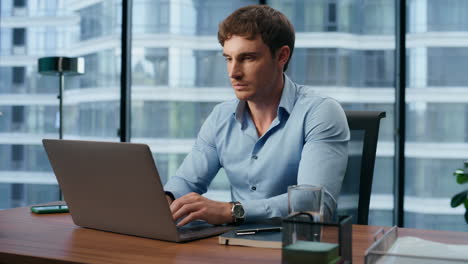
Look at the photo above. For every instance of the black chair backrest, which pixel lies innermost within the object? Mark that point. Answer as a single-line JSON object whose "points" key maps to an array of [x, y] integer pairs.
{"points": [[355, 193]]}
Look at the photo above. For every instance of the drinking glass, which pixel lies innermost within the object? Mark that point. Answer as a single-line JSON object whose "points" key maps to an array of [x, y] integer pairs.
{"points": [[306, 203], [306, 198]]}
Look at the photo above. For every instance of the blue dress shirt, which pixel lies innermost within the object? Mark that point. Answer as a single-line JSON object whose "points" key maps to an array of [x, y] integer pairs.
{"points": [[307, 143]]}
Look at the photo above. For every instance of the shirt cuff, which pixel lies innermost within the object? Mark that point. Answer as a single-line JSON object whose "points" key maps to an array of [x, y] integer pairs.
{"points": [[255, 210], [170, 195]]}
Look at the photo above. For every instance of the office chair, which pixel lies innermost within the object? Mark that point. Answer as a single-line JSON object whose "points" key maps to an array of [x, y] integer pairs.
{"points": [[354, 198]]}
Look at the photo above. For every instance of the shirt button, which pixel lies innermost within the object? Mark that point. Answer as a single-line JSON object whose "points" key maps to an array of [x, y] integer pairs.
{"points": [[253, 188], [254, 157]]}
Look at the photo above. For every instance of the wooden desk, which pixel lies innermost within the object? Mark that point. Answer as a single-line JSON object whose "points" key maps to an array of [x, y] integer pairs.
{"points": [[29, 238]]}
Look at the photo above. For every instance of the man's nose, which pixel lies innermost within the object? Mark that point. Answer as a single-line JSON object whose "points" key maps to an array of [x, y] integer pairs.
{"points": [[235, 71]]}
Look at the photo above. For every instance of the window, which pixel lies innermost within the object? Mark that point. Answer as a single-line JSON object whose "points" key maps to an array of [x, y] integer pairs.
{"points": [[378, 68], [17, 194], [210, 12], [436, 117], [446, 16], [19, 36], [18, 114], [150, 66], [17, 153], [101, 70], [19, 7], [152, 18], [331, 22], [375, 17], [437, 122], [444, 66], [18, 75], [211, 69], [31, 114], [19, 3], [91, 23], [17, 157], [325, 66]]}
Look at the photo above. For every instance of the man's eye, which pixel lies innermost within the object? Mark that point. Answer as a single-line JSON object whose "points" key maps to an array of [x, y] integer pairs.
{"points": [[227, 59]]}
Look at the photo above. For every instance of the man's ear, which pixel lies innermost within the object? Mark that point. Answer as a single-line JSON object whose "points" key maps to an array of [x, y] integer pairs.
{"points": [[283, 55]]}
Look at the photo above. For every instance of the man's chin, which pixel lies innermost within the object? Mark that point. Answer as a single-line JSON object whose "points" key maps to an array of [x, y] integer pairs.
{"points": [[243, 96]]}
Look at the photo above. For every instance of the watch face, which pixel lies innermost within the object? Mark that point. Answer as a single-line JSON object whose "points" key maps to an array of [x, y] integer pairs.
{"points": [[238, 211]]}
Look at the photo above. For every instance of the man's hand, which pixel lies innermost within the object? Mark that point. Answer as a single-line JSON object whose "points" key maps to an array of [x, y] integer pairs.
{"points": [[194, 206]]}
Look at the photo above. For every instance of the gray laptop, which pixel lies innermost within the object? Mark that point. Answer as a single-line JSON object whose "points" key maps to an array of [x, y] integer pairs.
{"points": [[116, 187]]}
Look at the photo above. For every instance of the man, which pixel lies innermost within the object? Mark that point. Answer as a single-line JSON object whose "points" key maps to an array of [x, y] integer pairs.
{"points": [[275, 134]]}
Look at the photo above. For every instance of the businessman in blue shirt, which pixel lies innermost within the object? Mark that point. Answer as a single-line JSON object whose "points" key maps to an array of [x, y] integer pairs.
{"points": [[275, 134]]}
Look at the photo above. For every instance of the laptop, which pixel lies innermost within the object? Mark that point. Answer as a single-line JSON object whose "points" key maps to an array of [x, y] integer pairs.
{"points": [[116, 187]]}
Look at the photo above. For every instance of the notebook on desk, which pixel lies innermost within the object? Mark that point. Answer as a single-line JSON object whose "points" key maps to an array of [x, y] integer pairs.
{"points": [[116, 187]]}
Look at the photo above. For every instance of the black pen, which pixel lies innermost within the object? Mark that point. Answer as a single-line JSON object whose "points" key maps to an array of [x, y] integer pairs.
{"points": [[254, 231]]}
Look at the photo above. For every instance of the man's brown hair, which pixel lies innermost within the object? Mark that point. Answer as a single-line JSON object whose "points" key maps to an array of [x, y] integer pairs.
{"points": [[273, 27]]}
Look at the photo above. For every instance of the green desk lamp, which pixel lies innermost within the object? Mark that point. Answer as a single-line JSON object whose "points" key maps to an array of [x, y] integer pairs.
{"points": [[61, 66]]}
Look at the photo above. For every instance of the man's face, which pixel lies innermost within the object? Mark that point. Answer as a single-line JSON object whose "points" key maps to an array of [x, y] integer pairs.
{"points": [[253, 71]]}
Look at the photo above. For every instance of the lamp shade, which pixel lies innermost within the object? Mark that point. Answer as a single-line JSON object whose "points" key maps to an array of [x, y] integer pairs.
{"points": [[64, 65]]}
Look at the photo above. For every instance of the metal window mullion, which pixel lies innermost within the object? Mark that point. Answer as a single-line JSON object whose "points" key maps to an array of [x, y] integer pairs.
{"points": [[125, 71], [400, 117]]}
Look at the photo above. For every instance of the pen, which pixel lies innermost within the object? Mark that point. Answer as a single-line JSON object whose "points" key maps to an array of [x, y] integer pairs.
{"points": [[254, 231]]}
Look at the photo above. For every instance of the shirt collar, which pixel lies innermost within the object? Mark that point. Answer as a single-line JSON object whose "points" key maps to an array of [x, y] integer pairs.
{"points": [[288, 98], [287, 101], [240, 111]]}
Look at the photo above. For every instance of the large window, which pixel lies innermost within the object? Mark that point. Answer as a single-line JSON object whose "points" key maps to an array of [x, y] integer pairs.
{"points": [[178, 76], [29, 105], [361, 77], [436, 111]]}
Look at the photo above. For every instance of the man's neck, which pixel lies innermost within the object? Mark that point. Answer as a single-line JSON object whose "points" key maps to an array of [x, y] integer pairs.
{"points": [[264, 112]]}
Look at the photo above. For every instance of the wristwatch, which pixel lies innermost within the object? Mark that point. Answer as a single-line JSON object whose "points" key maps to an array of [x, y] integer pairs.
{"points": [[238, 213]]}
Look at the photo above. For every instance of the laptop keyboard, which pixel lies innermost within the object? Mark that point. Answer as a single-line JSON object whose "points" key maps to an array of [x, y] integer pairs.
{"points": [[193, 227], [199, 229]]}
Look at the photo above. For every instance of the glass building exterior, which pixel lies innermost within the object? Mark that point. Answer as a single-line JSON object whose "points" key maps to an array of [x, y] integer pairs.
{"points": [[344, 49]]}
